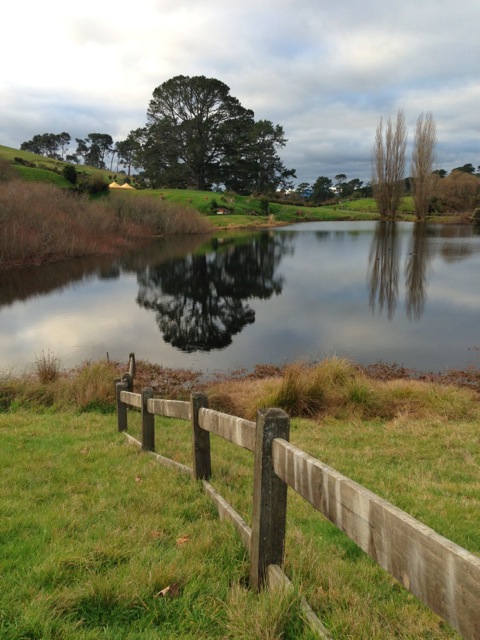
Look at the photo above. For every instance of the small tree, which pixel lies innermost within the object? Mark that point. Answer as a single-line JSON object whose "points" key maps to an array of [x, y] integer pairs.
{"points": [[388, 165], [322, 189], [423, 158], [70, 173]]}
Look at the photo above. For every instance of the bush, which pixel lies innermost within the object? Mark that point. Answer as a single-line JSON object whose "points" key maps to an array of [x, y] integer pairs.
{"points": [[264, 206], [70, 173]]}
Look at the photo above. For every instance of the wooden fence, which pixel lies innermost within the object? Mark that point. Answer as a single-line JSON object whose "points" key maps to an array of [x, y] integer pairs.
{"points": [[440, 573]]}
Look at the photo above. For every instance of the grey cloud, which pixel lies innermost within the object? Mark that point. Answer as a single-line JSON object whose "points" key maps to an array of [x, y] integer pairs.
{"points": [[325, 72]]}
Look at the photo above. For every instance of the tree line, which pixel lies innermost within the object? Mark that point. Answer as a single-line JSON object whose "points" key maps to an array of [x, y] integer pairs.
{"points": [[198, 135]]}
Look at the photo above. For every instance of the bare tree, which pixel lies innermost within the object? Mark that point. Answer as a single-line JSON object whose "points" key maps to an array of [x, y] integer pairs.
{"points": [[388, 165], [423, 158]]}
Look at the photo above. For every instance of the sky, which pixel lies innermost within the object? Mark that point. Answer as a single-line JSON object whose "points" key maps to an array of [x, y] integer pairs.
{"points": [[325, 71]]}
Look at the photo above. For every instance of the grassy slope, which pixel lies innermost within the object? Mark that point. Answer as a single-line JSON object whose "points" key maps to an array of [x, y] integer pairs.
{"points": [[46, 167]]}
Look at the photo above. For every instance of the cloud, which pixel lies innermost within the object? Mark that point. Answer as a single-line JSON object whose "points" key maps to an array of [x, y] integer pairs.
{"points": [[325, 72]]}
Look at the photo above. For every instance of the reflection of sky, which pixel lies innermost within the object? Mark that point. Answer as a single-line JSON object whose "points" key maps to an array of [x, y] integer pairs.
{"points": [[322, 310]]}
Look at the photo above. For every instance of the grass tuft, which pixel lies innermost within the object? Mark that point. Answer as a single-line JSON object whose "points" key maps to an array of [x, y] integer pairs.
{"points": [[47, 367], [335, 387]]}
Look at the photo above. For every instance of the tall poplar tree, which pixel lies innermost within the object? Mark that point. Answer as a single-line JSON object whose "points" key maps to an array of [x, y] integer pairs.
{"points": [[388, 165], [423, 158]]}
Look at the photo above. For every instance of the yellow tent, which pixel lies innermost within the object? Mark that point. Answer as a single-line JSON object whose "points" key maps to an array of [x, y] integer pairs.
{"points": [[126, 186], [114, 185]]}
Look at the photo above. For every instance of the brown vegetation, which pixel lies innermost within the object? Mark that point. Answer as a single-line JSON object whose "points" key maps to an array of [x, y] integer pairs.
{"points": [[458, 192], [88, 386], [41, 223], [335, 387]]}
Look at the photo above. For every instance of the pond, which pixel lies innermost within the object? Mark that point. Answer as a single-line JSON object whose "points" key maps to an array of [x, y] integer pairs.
{"points": [[393, 292]]}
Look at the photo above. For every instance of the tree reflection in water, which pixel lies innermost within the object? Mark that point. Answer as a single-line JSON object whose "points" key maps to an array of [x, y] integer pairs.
{"points": [[200, 300], [384, 269], [416, 272]]}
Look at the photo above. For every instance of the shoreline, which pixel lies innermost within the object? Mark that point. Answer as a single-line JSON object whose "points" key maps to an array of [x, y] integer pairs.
{"points": [[125, 244]]}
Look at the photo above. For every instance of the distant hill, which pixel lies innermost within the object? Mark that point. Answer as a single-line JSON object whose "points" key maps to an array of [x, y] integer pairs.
{"points": [[37, 168]]}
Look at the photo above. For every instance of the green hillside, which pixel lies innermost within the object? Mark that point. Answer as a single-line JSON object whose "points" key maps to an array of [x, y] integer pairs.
{"points": [[36, 168], [226, 209]]}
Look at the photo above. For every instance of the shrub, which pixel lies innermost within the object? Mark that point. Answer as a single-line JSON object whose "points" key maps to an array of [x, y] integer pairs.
{"points": [[70, 173], [458, 192], [264, 206]]}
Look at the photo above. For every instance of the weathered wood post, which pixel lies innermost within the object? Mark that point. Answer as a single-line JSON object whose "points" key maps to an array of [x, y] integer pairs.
{"points": [[202, 464], [269, 498], [131, 365], [128, 380], [120, 385], [148, 422]]}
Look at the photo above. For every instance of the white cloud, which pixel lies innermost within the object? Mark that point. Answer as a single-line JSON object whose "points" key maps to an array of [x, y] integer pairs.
{"points": [[325, 72]]}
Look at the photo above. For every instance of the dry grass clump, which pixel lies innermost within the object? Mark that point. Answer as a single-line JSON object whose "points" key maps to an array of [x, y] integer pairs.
{"points": [[89, 387], [337, 388], [92, 386], [47, 367], [300, 390]]}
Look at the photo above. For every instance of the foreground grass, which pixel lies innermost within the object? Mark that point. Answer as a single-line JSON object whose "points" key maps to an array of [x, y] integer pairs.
{"points": [[93, 532]]}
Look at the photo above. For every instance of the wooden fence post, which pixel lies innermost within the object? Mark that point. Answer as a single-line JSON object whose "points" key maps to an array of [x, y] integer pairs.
{"points": [[202, 464], [120, 386], [131, 365], [128, 380], [148, 422], [269, 498]]}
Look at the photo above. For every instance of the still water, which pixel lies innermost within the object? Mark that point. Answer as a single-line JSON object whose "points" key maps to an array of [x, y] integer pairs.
{"points": [[393, 292]]}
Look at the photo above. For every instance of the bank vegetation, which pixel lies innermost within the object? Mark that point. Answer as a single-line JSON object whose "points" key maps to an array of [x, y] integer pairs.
{"points": [[42, 223]]}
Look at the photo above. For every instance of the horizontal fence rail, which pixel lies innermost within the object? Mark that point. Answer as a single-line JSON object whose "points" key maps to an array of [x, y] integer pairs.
{"points": [[236, 430], [443, 575]]}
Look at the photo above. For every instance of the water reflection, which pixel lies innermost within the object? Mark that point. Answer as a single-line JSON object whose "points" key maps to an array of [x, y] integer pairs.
{"points": [[236, 301], [384, 268], [22, 284], [416, 272], [383, 265], [200, 300]]}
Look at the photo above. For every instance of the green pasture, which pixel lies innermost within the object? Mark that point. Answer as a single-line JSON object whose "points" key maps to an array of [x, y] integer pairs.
{"points": [[98, 540]]}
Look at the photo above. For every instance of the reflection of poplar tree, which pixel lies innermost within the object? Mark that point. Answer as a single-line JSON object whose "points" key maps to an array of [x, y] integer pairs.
{"points": [[415, 272], [383, 267], [200, 300]]}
